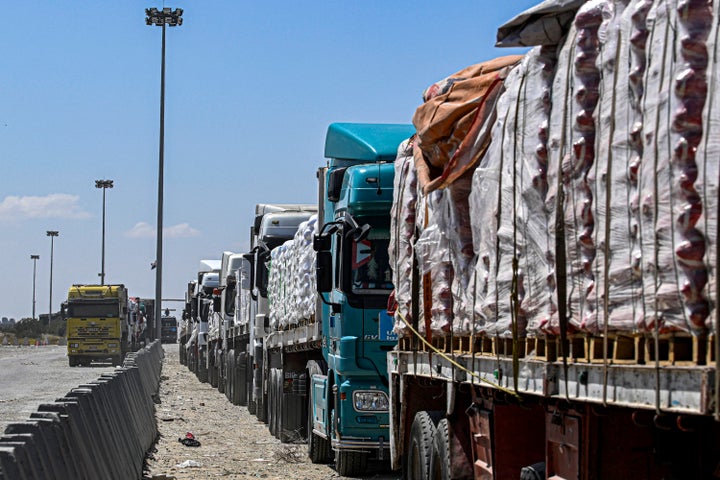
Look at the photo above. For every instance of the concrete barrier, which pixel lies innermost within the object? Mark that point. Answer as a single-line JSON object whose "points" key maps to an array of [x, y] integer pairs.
{"points": [[98, 430]]}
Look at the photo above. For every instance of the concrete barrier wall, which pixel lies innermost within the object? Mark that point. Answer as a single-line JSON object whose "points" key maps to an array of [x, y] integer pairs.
{"points": [[99, 430]]}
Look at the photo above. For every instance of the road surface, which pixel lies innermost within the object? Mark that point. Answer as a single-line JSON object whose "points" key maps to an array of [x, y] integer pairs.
{"points": [[33, 375]]}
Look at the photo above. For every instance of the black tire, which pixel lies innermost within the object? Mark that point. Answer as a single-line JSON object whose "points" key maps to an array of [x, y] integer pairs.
{"points": [[272, 417], [212, 368], [351, 464], [318, 447], [440, 460], [72, 361], [192, 359], [117, 360], [229, 375], [419, 452], [222, 371], [261, 409], [279, 407], [241, 379], [533, 472], [202, 370]]}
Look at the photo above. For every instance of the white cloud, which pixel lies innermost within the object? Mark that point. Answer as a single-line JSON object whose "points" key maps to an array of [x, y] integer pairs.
{"points": [[145, 230], [54, 205], [181, 230], [141, 230]]}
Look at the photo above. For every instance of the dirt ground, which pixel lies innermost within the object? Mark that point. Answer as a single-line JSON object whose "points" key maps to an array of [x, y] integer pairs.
{"points": [[233, 443]]}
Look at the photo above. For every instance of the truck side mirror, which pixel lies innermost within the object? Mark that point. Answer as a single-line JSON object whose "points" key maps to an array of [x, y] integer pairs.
{"points": [[323, 271], [217, 303]]}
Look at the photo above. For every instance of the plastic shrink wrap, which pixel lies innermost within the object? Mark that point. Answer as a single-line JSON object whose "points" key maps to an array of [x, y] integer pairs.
{"points": [[595, 168], [402, 235], [291, 282]]}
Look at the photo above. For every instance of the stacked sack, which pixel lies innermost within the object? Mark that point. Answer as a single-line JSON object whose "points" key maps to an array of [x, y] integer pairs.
{"points": [[291, 282], [593, 174]]}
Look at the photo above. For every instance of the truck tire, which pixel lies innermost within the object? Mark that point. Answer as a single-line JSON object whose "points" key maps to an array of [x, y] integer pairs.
{"points": [[221, 371], [350, 464], [241, 379], [318, 447], [212, 368], [202, 370], [533, 472], [72, 361], [192, 359], [261, 409], [279, 406], [271, 417], [417, 457], [440, 460], [117, 360], [230, 374]]}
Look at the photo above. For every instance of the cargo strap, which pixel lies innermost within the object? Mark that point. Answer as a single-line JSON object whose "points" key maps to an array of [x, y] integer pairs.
{"points": [[452, 361]]}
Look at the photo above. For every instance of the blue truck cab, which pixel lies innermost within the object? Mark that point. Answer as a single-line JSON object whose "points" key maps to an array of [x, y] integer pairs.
{"points": [[349, 401]]}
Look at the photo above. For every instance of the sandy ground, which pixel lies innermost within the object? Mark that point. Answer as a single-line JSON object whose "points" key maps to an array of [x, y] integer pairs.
{"points": [[233, 443]]}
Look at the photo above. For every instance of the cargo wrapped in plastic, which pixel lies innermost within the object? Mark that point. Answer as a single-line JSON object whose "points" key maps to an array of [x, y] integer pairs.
{"points": [[594, 187], [291, 282]]}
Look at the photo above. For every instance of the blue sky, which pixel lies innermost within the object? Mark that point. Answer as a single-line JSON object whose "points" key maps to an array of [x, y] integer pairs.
{"points": [[250, 90]]}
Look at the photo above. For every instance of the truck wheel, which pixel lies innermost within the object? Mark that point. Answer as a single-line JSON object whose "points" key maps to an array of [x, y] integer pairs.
{"points": [[279, 407], [440, 460], [192, 360], [318, 447], [202, 370], [350, 464], [271, 418], [230, 375], [261, 409], [221, 371], [241, 379], [72, 361], [533, 472], [117, 360], [212, 368], [419, 452]]}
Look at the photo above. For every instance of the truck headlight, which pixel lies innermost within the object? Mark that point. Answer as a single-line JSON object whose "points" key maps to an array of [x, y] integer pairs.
{"points": [[112, 345], [370, 401]]}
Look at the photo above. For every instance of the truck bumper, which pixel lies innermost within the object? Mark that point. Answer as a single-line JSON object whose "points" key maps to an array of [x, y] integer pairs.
{"points": [[381, 446]]}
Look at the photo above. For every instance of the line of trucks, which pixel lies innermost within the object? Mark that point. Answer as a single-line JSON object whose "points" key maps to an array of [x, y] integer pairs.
{"points": [[103, 323], [521, 284]]}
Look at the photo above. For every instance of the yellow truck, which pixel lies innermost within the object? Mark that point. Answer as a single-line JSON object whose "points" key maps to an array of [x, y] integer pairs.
{"points": [[97, 323]]}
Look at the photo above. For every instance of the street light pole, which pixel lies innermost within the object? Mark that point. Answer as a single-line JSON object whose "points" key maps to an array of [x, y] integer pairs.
{"points": [[34, 258], [52, 234], [104, 184], [161, 18]]}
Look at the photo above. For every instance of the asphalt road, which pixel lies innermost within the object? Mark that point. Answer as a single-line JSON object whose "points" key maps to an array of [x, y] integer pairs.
{"points": [[30, 376]]}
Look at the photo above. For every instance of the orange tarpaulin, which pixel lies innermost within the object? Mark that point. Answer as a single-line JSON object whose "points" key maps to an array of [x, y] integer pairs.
{"points": [[453, 125]]}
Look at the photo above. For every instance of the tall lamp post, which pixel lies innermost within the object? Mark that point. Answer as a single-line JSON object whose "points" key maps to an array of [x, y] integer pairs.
{"points": [[161, 18], [52, 234], [34, 258], [104, 184]]}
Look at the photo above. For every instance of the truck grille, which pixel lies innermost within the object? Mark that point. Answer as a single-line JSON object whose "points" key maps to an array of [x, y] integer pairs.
{"points": [[96, 331]]}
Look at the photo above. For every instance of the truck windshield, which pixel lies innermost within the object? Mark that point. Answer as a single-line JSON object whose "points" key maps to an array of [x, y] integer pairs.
{"points": [[93, 310], [371, 266]]}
